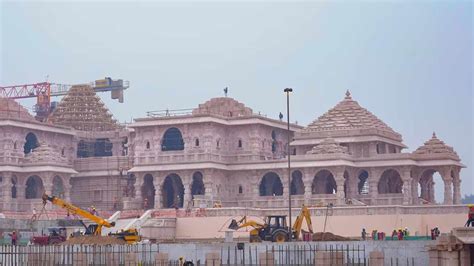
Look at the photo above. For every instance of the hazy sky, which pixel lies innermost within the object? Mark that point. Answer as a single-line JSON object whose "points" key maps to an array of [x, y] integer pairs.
{"points": [[410, 63]]}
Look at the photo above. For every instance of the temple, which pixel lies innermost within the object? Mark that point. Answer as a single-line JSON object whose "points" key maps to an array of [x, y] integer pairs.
{"points": [[220, 153]]}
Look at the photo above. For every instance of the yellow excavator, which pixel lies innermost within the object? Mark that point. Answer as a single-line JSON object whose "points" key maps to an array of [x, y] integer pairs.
{"points": [[130, 236], [274, 227]]}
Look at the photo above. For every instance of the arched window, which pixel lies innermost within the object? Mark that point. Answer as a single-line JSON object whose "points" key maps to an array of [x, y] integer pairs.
{"points": [[324, 183], [62, 152], [34, 188], [172, 140], [148, 192], [363, 185], [239, 143], [241, 190], [271, 185], [14, 145], [147, 145], [274, 142], [14, 181], [58, 187], [173, 192], [31, 143], [196, 142], [217, 143], [390, 182]]}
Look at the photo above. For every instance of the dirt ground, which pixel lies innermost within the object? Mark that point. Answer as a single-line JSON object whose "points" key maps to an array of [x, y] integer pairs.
{"points": [[319, 236]]}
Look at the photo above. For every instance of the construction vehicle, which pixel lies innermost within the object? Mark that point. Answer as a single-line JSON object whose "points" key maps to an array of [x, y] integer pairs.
{"points": [[274, 228], [56, 236], [43, 91], [130, 236]]}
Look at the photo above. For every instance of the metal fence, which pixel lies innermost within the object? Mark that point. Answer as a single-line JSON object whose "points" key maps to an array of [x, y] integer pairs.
{"points": [[230, 255]]}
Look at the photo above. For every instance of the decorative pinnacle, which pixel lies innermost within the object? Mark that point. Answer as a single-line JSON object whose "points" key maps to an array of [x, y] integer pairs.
{"points": [[348, 95], [434, 135]]}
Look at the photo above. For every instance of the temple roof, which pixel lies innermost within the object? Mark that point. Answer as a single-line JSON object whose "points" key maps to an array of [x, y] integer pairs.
{"points": [[349, 115], [435, 146], [83, 110], [223, 106], [10, 109]]}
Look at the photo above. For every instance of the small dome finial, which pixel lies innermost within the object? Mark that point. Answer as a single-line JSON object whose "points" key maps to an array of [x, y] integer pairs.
{"points": [[434, 135], [348, 94]]}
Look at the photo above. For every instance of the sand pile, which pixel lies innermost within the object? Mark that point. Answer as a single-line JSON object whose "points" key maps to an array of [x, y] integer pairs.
{"points": [[328, 237], [94, 240]]}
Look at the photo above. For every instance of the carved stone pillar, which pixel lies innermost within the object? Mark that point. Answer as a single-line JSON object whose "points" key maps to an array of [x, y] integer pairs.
{"points": [[374, 176], [48, 183], [138, 187], [407, 180], [308, 182], [339, 178], [448, 183], [20, 191], [187, 177], [456, 191], [157, 182], [414, 191]]}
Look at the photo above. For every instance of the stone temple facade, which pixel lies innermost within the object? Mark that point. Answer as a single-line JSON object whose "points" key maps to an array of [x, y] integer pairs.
{"points": [[220, 153]]}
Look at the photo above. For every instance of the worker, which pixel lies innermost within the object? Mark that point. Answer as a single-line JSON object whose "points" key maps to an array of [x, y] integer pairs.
{"points": [[405, 232], [93, 211], [364, 234], [394, 233], [470, 216], [400, 234], [145, 204], [14, 237]]}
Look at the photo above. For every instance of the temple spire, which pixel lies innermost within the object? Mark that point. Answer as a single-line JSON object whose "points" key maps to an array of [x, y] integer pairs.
{"points": [[434, 135], [348, 95]]}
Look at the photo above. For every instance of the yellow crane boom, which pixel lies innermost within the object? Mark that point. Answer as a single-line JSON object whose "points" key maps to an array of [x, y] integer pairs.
{"points": [[80, 212], [304, 215]]}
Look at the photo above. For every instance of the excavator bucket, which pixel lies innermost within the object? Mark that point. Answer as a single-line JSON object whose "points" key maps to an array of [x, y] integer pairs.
{"points": [[233, 225]]}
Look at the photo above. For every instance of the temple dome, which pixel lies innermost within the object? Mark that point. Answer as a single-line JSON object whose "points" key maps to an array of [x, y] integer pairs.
{"points": [[10, 109], [83, 110], [436, 147], [348, 115], [223, 106]]}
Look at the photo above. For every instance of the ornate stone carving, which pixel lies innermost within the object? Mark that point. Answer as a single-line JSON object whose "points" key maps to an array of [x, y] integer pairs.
{"points": [[328, 146], [45, 154]]}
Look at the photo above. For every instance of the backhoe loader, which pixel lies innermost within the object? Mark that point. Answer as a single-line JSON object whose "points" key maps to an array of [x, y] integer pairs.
{"points": [[274, 227]]}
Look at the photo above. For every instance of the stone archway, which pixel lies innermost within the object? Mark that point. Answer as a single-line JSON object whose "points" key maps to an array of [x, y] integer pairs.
{"points": [[197, 185], [363, 183], [31, 142], [429, 181], [297, 185], [14, 181], [148, 192], [58, 187], [271, 185], [172, 140], [173, 192], [390, 182], [324, 183], [34, 187]]}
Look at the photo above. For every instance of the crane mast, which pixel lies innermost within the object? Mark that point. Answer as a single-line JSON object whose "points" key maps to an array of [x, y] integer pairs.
{"points": [[43, 91], [80, 212]]}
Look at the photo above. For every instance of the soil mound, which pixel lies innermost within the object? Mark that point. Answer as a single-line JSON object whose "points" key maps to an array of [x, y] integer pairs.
{"points": [[320, 236], [94, 240]]}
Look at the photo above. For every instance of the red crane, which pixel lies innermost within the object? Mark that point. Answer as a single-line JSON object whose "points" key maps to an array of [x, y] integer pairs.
{"points": [[43, 92]]}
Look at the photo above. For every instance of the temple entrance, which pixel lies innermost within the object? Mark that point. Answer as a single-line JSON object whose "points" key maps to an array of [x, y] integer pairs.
{"points": [[271, 185], [31, 143], [324, 183], [390, 182], [363, 184], [148, 192], [34, 188], [297, 185], [173, 192], [58, 187]]}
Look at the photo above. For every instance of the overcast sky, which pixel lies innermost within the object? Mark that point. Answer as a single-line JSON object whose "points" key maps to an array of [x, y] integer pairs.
{"points": [[409, 63]]}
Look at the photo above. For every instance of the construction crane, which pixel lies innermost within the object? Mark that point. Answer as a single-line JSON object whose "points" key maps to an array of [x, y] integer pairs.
{"points": [[274, 228], [43, 91]]}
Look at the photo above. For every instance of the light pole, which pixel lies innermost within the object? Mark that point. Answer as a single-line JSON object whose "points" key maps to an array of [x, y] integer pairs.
{"points": [[288, 90]]}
